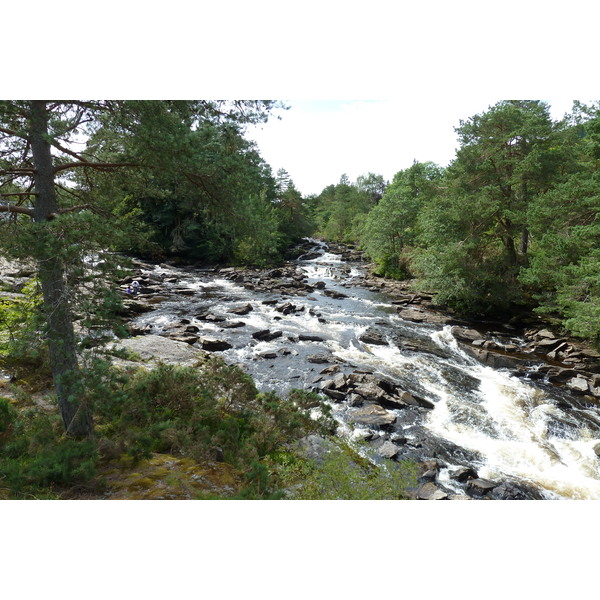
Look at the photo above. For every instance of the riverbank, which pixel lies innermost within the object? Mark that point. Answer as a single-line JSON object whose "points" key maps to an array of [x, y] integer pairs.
{"points": [[283, 327], [290, 316]]}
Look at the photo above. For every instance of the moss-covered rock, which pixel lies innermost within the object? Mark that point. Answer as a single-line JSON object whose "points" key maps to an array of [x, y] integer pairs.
{"points": [[166, 477]]}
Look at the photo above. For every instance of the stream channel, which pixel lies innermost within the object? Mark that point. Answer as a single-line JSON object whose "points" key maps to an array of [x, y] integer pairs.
{"points": [[510, 432]]}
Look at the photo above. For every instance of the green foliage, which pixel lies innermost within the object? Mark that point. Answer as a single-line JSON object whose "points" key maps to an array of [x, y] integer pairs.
{"points": [[339, 209], [344, 475], [22, 344], [191, 412], [36, 460], [257, 240], [391, 225]]}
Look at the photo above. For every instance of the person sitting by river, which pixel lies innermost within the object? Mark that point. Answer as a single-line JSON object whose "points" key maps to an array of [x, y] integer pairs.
{"points": [[136, 287], [129, 290]]}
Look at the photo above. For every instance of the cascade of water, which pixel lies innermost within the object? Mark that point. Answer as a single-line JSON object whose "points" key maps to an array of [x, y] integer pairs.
{"points": [[518, 430]]}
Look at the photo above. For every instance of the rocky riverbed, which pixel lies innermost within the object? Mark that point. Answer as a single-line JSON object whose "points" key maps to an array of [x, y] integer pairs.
{"points": [[387, 412], [292, 326]]}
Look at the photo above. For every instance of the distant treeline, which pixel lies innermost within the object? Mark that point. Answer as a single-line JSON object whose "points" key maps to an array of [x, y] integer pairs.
{"points": [[511, 222]]}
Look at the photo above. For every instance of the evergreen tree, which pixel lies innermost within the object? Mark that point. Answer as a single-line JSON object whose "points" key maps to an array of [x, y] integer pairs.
{"points": [[38, 158]]}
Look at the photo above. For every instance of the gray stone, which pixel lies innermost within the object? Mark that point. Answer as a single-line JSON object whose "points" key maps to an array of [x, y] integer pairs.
{"points": [[214, 345], [156, 348], [429, 491], [480, 487], [310, 338], [266, 335], [464, 334], [388, 450], [319, 358], [463, 473], [579, 384], [373, 337], [370, 391], [374, 415], [313, 447]]}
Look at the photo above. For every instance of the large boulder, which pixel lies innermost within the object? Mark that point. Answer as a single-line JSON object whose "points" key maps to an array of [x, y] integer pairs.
{"points": [[373, 337], [266, 335], [214, 345], [152, 349]]}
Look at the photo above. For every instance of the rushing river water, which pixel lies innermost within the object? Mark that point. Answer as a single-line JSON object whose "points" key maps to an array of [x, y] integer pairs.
{"points": [[508, 428]]}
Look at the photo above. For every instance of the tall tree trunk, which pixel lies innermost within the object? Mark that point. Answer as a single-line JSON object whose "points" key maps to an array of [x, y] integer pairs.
{"points": [[76, 415], [524, 247]]}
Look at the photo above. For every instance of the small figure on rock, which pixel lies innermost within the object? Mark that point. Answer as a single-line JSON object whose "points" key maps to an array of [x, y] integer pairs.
{"points": [[136, 287]]}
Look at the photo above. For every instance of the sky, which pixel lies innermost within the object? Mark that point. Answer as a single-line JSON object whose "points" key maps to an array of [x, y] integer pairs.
{"points": [[317, 141]]}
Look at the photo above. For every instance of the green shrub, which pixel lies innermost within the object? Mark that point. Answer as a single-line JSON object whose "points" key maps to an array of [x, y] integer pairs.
{"points": [[35, 457], [344, 475]]}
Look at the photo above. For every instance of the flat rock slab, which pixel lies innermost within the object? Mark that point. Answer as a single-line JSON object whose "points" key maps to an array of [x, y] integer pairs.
{"points": [[155, 349], [373, 415]]}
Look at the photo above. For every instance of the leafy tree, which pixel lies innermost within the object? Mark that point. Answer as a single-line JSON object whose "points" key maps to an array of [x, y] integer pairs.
{"points": [[563, 273], [295, 219], [37, 157], [340, 209], [391, 225], [476, 234]]}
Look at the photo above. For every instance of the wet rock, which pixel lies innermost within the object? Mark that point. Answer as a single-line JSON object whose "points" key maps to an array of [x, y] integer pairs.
{"points": [[135, 329], [214, 345], [429, 491], [186, 338], [429, 470], [480, 487], [597, 450], [465, 335], [210, 318], [579, 385], [398, 438], [545, 345], [354, 400], [494, 360], [266, 335], [462, 474], [242, 310], [560, 375], [334, 394], [388, 450], [233, 325], [373, 415], [373, 337], [334, 294], [310, 338], [370, 392], [409, 399], [512, 491], [412, 314], [288, 308], [320, 358]]}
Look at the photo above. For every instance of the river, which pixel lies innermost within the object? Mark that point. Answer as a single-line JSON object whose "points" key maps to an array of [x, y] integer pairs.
{"points": [[508, 428]]}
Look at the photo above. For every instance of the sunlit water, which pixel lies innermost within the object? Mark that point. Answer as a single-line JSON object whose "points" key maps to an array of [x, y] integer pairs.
{"points": [[516, 428]]}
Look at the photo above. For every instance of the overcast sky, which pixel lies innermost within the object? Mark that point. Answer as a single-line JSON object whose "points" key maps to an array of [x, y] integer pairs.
{"points": [[318, 141]]}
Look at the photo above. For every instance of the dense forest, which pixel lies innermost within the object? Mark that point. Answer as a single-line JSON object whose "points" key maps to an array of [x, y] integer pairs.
{"points": [[510, 225]]}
